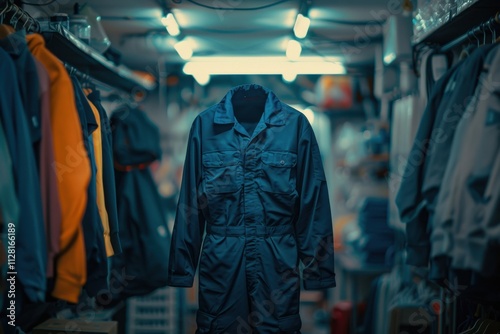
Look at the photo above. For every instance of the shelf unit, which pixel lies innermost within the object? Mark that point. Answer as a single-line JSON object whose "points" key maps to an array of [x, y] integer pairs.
{"points": [[71, 50], [459, 23]]}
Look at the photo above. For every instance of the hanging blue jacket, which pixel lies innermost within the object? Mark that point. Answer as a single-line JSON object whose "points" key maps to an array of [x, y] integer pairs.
{"points": [[108, 171], [31, 248], [253, 178], [93, 231], [145, 239]]}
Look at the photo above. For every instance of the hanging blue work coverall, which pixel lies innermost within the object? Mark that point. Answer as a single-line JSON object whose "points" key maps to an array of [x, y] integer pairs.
{"points": [[254, 181]]}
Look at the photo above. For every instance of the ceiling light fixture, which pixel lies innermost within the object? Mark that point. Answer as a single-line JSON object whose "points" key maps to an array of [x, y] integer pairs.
{"points": [[184, 49], [289, 76], [301, 26], [171, 24], [202, 78], [260, 65], [293, 50]]}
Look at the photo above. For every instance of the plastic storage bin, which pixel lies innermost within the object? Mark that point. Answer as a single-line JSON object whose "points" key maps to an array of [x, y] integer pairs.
{"points": [[152, 314]]}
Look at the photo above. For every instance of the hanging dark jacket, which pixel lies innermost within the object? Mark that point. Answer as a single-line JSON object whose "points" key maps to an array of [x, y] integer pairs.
{"points": [[31, 248], [253, 178], [144, 235], [93, 232], [9, 206], [15, 44], [108, 172]]}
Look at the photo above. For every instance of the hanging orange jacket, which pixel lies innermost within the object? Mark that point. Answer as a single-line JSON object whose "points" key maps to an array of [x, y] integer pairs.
{"points": [[72, 167]]}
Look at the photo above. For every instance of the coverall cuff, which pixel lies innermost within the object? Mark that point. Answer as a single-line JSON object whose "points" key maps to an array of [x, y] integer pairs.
{"points": [[66, 290], [180, 281], [320, 284]]}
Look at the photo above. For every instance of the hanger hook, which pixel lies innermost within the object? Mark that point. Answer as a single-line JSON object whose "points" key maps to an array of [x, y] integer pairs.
{"points": [[26, 22], [469, 36], [6, 9], [475, 37], [491, 31], [484, 33], [13, 19]]}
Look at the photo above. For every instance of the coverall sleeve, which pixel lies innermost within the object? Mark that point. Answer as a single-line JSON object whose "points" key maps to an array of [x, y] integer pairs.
{"points": [[189, 222], [313, 227]]}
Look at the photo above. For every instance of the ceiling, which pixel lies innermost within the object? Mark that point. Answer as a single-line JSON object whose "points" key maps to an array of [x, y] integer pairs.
{"points": [[344, 31]]}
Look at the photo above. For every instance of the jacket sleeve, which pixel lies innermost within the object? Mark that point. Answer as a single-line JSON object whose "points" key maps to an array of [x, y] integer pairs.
{"points": [[189, 221], [409, 199], [314, 224]]}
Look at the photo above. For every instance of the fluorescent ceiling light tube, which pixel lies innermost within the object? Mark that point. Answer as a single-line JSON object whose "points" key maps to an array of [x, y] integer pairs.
{"points": [[257, 66], [301, 26], [293, 50], [171, 24], [263, 59], [184, 49]]}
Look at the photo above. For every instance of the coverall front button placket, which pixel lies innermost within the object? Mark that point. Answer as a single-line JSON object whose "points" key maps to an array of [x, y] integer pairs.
{"points": [[252, 208]]}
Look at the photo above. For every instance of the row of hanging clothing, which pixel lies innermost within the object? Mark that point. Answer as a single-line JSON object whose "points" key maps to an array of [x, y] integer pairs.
{"points": [[53, 137], [78, 204], [448, 197], [404, 301]]}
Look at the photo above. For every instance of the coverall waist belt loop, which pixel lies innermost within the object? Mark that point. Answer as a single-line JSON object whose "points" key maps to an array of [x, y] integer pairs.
{"points": [[249, 230]]}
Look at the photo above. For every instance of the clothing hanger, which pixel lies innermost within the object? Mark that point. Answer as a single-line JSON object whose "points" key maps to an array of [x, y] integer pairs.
{"points": [[483, 30], [484, 325], [497, 20], [5, 29], [474, 328], [478, 322], [477, 39], [13, 19], [25, 23], [5, 10], [492, 32]]}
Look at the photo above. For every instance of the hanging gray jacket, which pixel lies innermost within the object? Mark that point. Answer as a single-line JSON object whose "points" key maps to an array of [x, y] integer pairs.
{"points": [[427, 162], [466, 225]]}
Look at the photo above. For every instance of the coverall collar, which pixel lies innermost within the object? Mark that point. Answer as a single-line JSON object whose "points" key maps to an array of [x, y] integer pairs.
{"points": [[272, 115]]}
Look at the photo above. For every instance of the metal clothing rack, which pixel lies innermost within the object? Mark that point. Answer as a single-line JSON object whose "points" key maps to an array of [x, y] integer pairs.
{"points": [[18, 17], [82, 57], [490, 25], [86, 78]]}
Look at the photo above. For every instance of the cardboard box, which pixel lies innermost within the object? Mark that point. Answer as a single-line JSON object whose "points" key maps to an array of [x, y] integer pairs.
{"points": [[60, 326]]}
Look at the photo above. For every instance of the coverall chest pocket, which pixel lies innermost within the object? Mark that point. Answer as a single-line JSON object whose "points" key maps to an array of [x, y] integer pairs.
{"points": [[222, 172], [278, 173]]}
